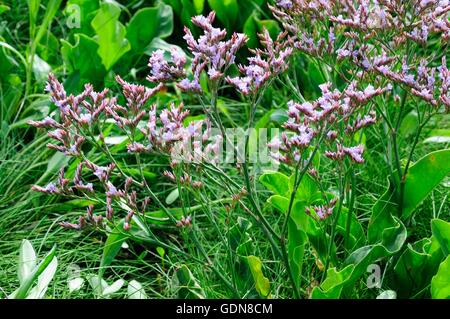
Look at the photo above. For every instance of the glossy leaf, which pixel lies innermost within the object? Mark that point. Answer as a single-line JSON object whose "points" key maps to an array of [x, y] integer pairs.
{"points": [[276, 182], [147, 24], [82, 57], [441, 231], [440, 284], [135, 290], [44, 279], [227, 11], [110, 34], [189, 288], [27, 261], [423, 177], [332, 286], [262, 284]]}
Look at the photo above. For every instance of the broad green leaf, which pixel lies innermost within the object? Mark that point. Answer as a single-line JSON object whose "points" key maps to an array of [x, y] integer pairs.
{"points": [[110, 34], [98, 284], [79, 14], [199, 5], [27, 261], [135, 290], [138, 232], [391, 243], [440, 284], [147, 24], [297, 239], [279, 116], [423, 177], [3, 8], [112, 246], [189, 288], [438, 136], [276, 182], [172, 197], [281, 203], [75, 284], [409, 125], [332, 286], [441, 231], [227, 11], [413, 272], [307, 190], [160, 44], [262, 284], [44, 279], [357, 237], [113, 288], [24, 288], [382, 215], [254, 25], [83, 57], [41, 69], [316, 236]]}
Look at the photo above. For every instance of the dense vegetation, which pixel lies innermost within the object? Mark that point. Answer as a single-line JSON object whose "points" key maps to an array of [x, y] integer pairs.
{"points": [[116, 177]]}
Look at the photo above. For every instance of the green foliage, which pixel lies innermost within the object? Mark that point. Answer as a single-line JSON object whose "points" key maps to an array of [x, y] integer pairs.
{"points": [[440, 284], [423, 177], [112, 43], [262, 283]]}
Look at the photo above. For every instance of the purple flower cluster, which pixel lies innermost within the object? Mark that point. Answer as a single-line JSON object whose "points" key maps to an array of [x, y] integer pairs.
{"points": [[324, 116], [267, 63]]}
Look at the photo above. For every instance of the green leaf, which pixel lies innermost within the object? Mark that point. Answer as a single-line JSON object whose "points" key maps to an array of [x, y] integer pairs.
{"points": [[438, 136], [199, 5], [75, 284], [110, 34], [254, 25], [27, 260], [147, 24], [276, 182], [441, 231], [413, 271], [227, 11], [357, 237], [332, 286], [172, 197], [3, 8], [83, 57], [297, 240], [24, 288], [440, 284], [391, 243], [113, 288], [135, 290], [33, 10], [307, 190], [112, 247], [189, 288], [44, 279], [41, 69], [423, 177], [86, 9], [262, 284], [50, 12], [409, 125], [281, 203], [139, 232], [382, 215]]}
